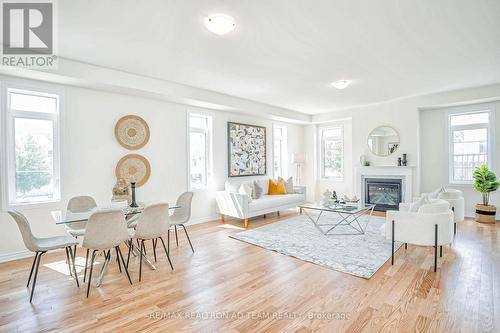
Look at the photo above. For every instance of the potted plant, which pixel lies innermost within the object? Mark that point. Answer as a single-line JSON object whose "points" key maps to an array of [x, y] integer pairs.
{"points": [[485, 181]]}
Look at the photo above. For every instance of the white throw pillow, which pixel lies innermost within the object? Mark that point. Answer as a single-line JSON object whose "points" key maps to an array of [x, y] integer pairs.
{"points": [[247, 189], [434, 194], [257, 190], [424, 200]]}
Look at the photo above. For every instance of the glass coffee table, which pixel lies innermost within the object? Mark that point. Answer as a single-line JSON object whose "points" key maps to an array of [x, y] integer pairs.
{"points": [[339, 219]]}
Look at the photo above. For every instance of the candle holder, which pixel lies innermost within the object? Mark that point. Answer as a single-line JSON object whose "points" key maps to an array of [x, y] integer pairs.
{"points": [[133, 204]]}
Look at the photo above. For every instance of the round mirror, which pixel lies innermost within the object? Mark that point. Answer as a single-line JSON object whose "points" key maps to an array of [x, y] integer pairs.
{"points": [[383, 141]]}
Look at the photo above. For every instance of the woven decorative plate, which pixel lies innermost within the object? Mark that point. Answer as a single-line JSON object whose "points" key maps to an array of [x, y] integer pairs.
{"points": [[132, 132], [133, 165]]}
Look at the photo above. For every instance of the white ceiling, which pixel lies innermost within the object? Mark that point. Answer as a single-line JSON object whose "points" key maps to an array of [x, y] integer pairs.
{"points": [[286, 52]]}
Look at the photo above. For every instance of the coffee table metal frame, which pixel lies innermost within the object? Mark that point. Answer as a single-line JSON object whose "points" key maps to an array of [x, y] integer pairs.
{"points": [[347, 218]]}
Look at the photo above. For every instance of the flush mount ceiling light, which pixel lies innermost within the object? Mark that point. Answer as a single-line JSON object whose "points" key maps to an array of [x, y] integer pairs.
{"points": [[341, 84], [220, 24]]}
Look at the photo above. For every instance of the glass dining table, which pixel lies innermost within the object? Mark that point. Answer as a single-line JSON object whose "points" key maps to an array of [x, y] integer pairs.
{"points": [[65, 217]]}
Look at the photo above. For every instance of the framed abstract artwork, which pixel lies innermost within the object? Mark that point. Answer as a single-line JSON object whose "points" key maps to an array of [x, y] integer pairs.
{"points": [[246, 150]]}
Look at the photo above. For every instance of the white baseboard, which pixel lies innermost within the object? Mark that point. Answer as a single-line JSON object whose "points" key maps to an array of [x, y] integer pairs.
{"points": [[15, 255]]}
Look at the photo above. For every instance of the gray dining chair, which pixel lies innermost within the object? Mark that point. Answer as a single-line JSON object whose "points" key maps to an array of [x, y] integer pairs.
{"points": [[41, 245], [106, 229], [152, 224], [79, 204], [181, 216]]}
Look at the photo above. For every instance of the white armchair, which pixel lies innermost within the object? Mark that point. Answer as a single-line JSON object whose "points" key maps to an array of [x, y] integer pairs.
{"points": [[430, 225], [457, 205], [456, 200]]}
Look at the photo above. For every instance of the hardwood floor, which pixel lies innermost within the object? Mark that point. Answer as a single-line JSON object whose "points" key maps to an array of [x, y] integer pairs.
{"points": [[231, 286]]}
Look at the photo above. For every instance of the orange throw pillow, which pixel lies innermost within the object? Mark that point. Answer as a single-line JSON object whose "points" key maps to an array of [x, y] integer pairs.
{"points": [[277, 188]]}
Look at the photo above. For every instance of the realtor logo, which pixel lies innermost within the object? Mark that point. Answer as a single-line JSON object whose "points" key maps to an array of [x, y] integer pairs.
{"points": [[28, 34]]}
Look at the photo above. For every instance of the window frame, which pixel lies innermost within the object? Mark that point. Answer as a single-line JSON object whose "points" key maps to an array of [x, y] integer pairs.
{"points": [[283, 139], [7, 127], [321, 140], [490, 137], [208, 149]]}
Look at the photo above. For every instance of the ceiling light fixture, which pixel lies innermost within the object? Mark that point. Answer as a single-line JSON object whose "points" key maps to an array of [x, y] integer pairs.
{"points": [[341, 84], [220, 24]]}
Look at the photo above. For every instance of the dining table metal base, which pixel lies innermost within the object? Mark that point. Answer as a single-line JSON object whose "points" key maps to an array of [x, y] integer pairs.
{"points": [[107, 258]]}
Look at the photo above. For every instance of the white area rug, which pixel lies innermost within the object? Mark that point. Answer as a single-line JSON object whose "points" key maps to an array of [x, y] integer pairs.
{"points": [[359, 255]]}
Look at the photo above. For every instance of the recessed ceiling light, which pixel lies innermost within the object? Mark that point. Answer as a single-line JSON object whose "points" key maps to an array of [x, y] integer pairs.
{"points": [[220, 24], [341, 84]]}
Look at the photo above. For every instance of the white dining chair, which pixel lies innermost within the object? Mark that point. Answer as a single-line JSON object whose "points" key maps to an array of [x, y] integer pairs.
{"points": [[41, 245], [152, 224], [181, 216], [106, 229]]}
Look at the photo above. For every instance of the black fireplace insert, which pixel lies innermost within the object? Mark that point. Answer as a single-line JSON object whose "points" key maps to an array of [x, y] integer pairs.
{"points": [[385, 193]]}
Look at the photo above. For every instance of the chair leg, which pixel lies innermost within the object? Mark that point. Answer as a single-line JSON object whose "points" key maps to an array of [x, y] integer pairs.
{"points": [[455, 228], [435, 246], [406, 246], [120, 257], [73, 259], [441, 251], [91, 269], [154, 247], [176, 238], [74, 248], [86, 263], [68, 261], [36, 274], [129, 250], [166, 252], [168, 240], [32, 266], [187, 235], [278, 212], [392, 244], [140, 260]]}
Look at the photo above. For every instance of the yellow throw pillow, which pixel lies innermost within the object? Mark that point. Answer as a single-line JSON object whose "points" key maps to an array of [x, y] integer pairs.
{"points": [[277, 188]]}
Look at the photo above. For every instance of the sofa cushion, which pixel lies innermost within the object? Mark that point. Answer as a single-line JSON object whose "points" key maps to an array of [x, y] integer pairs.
{"points": [[258, 191], [246, 188], [450, 194], [289, 185], [274, 201], [276, 188], [435, 206]]}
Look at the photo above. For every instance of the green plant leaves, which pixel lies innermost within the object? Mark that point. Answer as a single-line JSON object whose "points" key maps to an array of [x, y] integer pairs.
{"points": [[485, 181]]}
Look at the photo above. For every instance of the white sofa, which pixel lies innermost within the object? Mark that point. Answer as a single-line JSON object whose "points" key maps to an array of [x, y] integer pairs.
{"points": [[430, 225], [232, 203]]}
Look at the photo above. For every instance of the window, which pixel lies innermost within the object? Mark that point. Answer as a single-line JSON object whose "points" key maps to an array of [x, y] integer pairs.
{"points": [[199, 150], [332, 152], [279, 152], [470, 144], [32, 147]]}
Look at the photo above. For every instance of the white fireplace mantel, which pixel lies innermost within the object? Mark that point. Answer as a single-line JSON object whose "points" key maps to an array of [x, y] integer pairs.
{"points": [[405, 173]]}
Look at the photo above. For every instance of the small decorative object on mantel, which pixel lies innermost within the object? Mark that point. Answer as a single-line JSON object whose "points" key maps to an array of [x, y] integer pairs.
{"points": [[485, 181], [121, 191], [404, 161], [133, 165], [399, 161], [366, 163], [362, 159], [133, 204], [132, 132]]}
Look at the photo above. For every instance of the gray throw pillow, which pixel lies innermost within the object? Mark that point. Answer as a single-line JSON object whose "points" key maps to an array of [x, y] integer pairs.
{"points": [[289, 186], [257, 190]]}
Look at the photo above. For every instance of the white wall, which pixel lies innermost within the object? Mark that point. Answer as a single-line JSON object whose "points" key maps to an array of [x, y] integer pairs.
{"points": [[90, 153], [435, 154]]}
